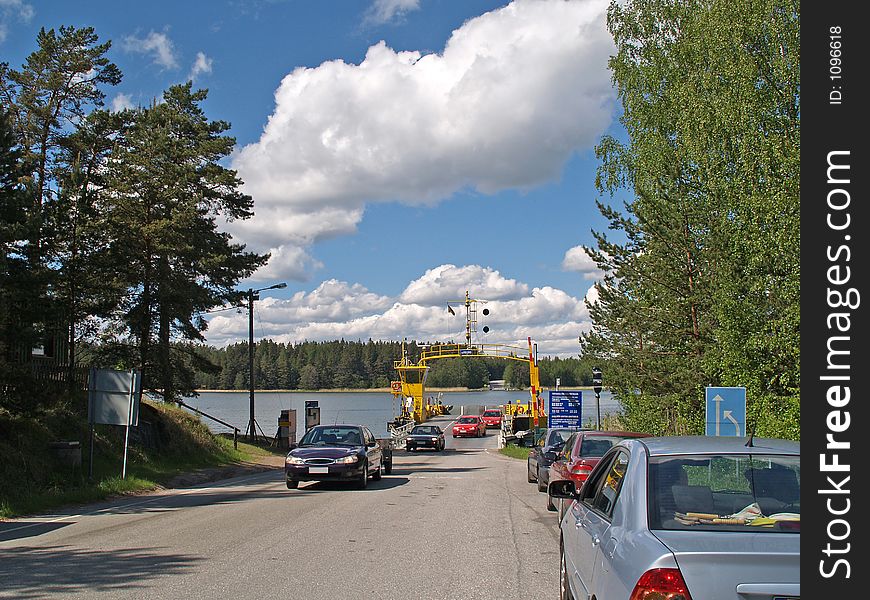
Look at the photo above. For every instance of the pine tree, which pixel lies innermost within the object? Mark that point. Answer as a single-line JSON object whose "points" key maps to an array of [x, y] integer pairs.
{"points": [[166, 191]]}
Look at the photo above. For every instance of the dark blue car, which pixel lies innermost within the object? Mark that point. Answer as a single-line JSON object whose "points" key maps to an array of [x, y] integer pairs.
{"points": [[337, 453]]}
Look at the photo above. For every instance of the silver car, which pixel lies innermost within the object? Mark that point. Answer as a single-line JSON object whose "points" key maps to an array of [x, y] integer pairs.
{"points": [[709, 518]]}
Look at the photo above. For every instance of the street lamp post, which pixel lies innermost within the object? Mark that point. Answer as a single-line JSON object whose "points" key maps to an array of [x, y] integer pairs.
{"points": [[254, 295]]}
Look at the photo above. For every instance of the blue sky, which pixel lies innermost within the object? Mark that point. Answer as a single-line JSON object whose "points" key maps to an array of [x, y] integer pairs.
{"points": [[399, 152]]}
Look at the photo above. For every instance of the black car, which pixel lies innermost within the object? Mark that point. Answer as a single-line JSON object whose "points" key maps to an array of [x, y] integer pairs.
{"points": [[544, 453], [425, 436], [337, 453]]}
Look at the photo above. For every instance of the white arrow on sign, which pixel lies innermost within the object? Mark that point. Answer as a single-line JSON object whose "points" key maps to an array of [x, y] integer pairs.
{"points": [[727, 415], [718, 400]]}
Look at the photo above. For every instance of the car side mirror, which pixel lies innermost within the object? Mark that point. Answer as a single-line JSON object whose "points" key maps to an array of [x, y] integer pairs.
{"points": [[563, 488], [372, 444]]}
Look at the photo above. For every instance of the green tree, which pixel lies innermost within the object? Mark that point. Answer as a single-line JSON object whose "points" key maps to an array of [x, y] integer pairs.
{"points": [[166, 192], [703, 287], [19, 284]]}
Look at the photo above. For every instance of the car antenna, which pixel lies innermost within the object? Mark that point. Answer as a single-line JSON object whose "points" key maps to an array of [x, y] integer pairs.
{"points": [[749, 443]]}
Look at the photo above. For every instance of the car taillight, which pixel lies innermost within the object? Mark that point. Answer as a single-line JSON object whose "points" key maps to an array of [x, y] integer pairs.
{"points": [[661, 584], [581, 471]]}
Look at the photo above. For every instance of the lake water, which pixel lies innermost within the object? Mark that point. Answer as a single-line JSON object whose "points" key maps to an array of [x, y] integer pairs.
{"points": [[372, 409]]}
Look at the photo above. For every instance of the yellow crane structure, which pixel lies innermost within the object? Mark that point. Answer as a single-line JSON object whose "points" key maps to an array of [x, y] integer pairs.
{"points": [[412, 376]]}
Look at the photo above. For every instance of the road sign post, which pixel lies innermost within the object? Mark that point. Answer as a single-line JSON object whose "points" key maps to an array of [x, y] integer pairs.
{"points": [[726, 411]]}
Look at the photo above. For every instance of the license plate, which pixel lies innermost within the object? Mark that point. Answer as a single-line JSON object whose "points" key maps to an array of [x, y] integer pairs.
{"points": [[318, 469]]}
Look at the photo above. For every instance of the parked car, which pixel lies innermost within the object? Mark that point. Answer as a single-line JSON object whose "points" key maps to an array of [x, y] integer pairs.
{"points": [[469, 425], [337, 453], [425, 436], [544, 453], [580, 454], [709, 518], [492, 417]]}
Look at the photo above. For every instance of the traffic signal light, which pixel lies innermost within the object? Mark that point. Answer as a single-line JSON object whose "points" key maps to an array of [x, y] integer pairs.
{"points": [[596, 380]]}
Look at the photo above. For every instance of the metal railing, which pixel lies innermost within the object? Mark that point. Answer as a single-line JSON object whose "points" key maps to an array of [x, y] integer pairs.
{"points": [[208, 416], [400, 433]]}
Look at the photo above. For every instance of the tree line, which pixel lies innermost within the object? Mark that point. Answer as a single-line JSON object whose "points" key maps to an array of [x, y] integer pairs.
{"points": [[364, 365], [109, 230], [702, 260]]}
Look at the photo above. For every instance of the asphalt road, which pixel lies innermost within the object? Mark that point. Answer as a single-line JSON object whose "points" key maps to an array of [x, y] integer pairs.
{"points": [[464, 523]]}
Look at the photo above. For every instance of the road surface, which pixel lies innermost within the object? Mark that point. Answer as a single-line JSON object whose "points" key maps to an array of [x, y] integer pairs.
{"points": [[464, 523]]}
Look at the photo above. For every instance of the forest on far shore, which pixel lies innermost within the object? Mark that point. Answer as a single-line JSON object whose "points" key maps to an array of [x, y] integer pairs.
{"points": [[364, 365]]}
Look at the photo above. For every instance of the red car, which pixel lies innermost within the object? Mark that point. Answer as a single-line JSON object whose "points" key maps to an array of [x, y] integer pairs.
{"points": [[469, 425], [492, 417], [580, 454]]}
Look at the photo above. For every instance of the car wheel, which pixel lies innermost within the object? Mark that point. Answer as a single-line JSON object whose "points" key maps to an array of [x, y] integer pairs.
{"points": [[388, 467], [531, 478], [564, 588], [292, 484], [542, 485], [550, 506], [454, 436], [364, 478], [408, 449]]}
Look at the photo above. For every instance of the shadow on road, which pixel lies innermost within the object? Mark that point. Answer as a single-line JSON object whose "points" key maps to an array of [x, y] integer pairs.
{"points": [[37, 572], [388, 482], [13, 530]]}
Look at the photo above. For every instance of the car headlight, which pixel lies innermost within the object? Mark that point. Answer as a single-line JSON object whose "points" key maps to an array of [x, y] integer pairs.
{"points": [[434, 439], [294, 460], [347, 460]]}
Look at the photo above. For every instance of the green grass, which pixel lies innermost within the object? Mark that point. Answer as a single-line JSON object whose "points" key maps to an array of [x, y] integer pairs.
{"points": [[515, 451], [32, 481]]}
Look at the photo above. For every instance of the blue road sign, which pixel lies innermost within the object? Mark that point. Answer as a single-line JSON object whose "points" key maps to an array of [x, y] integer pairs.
{"points": [[565, 408], [726, 411]]}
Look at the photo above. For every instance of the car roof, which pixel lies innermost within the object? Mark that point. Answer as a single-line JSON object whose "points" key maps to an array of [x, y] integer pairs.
{"points": [[702, 444], [601, 432]]}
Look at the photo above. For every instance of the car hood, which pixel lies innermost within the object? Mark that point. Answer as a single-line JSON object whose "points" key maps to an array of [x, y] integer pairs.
{"points": [[324, 451], [728, 565]]}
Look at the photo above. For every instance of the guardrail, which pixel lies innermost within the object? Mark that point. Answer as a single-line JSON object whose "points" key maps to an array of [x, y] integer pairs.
{"points": [[400, 433], [208, 416]]}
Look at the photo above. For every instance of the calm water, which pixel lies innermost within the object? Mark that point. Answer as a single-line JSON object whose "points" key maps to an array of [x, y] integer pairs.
{"points": [[373, 409]]}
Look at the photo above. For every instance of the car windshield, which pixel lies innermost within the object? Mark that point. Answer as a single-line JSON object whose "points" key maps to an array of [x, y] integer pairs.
{"points": [[492, 413], [467, 420], [428, 430], [332, 436], [728, 492], [558, 436], [596, 446]]}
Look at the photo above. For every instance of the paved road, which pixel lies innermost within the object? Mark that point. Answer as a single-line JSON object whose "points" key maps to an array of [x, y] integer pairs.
{"points": [[459, 524]]}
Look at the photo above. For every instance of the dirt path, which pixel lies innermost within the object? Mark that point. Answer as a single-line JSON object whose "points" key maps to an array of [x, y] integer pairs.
{"points": [[262, 463]]}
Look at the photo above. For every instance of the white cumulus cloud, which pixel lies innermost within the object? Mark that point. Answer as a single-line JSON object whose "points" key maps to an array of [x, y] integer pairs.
{"points": [[122, 102], [514, 93], [337, 309], [157, 45], [201, 65], [576, 259]]}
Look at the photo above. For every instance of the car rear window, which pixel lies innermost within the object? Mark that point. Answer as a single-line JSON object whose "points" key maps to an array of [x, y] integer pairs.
{"points": [[492, 413], [468, 420], [597, 446], [725, 492]]}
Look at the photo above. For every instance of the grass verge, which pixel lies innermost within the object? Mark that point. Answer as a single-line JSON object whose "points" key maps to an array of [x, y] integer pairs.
{"points": [[514, 451], [34, 480]]}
